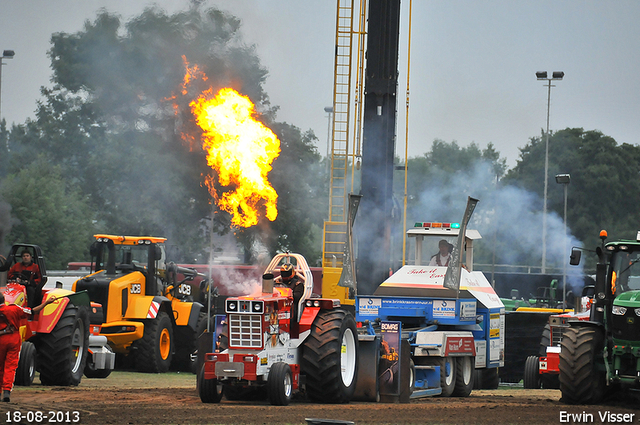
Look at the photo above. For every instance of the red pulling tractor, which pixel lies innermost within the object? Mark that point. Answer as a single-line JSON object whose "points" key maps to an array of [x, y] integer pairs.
{"points": [[544, 370], [56, 339], [271, 353]]}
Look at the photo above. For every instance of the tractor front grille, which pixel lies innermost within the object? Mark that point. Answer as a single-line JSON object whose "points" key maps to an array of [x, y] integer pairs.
{"points": [[626, 327], [245, 331]]}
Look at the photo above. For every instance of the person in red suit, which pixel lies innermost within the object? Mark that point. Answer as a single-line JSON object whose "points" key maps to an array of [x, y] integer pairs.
{"points": [[11, 317], [28, 274]]}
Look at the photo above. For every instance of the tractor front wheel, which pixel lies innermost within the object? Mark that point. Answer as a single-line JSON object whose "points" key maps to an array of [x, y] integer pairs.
{"points": [[26, 365], [329, 357], [154, 350], [532, 373], [280, 384], [208, 389], [62, 353], [582, 370]]}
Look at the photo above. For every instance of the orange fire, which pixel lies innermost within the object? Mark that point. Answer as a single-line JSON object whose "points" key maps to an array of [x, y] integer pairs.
{"points": [[241, 150]]}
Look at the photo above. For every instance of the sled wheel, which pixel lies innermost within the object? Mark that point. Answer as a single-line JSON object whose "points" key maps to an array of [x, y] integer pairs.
{"points": [[465, 371]]}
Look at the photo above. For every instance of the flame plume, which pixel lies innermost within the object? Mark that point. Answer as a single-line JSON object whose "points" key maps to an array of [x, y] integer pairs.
{"points": [[241, 150]]}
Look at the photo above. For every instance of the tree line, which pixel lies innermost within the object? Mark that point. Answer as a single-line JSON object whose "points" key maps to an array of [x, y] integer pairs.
{"points": [[104, 154]]}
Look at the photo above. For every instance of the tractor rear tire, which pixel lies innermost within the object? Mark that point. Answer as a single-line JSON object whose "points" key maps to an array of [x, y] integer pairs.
{"points": [[531, 378], [26, 365], [486, 379], [154, 350], [208, 389], [465, 373], [582, 371], [62, 353], [329, 357], [280, 384], [545, 340]]}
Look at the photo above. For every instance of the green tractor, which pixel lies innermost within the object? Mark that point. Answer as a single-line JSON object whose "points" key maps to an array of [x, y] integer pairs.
{"points": [[603, 354]]}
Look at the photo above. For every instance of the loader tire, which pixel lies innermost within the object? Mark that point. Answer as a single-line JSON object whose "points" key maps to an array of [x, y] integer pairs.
{"points": [[26, 365], [582, 370], [187, 345], [208, 389], [531, 379], [62, 353], [329, 357], [280, 384], [465, 373], [154, 351]]}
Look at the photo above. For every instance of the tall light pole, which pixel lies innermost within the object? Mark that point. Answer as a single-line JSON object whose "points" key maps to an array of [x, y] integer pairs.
{"points": [[7, 54], [564, 179], [542, 75]]}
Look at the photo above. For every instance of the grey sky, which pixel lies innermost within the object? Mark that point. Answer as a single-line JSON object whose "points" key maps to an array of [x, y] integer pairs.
{"points": [[473, 63]]}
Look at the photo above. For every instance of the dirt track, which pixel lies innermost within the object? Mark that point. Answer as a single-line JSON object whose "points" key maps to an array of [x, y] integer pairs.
{"points": [[134, 398]]}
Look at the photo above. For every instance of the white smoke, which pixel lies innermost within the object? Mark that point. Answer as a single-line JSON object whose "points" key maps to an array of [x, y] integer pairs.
{"points": [[506, 214]]}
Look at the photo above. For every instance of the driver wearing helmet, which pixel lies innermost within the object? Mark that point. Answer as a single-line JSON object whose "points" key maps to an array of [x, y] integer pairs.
{"points": [[289, 278]]}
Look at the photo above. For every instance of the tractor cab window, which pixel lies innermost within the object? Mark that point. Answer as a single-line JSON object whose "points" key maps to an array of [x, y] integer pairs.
{"points": [[625, 273]]}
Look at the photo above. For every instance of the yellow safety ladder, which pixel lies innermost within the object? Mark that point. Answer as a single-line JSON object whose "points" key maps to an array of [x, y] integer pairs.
{"points": [[335, 228]]}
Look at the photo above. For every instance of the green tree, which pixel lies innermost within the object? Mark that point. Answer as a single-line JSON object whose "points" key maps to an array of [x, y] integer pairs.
{"points": [[113, 120], [439, 182], [47, 213], [604, 188]]}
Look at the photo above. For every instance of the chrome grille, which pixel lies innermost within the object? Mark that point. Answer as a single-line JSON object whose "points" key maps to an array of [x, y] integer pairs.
{"points": [[245, 330]]}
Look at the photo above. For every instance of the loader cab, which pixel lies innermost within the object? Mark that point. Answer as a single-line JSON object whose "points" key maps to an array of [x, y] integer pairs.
{"points": [[121, 255]]}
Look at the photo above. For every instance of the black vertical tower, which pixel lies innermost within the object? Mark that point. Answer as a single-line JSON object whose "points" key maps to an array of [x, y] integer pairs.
{"points": [[373, 224]]}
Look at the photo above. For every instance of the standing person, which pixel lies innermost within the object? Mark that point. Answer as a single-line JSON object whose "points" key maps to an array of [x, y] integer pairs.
{"points": [[27, 273], [443, 256], [11, 317]]}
